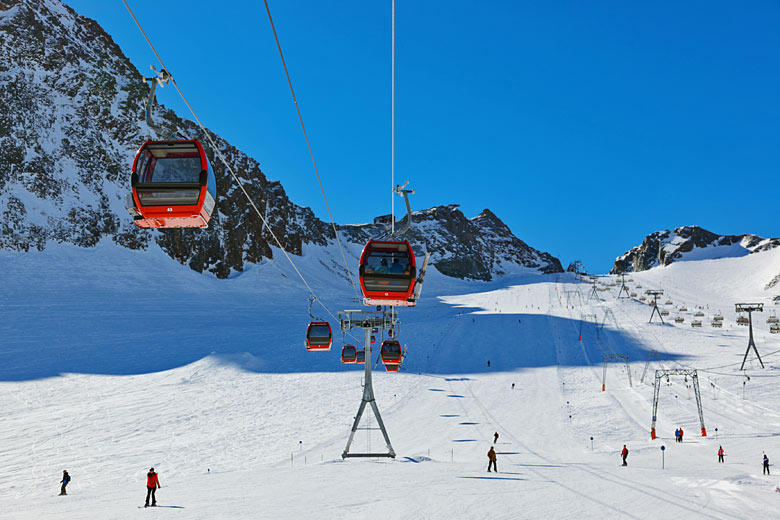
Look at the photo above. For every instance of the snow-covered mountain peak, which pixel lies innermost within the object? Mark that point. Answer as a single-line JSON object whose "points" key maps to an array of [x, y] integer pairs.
{"points": [[688, 243]]}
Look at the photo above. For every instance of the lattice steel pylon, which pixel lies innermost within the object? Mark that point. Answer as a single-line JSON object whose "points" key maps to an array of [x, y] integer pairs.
{"points": [[750, 308], [655, 294], [615, 357], [368, 321], [623, 287], [660, 373]]}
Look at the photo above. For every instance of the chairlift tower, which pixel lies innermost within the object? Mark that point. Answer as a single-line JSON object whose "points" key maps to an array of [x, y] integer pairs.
{"points": [[615, 357], [593, 293], [623, 287], [750, 308], [368, 320], [661, 373], [655, 294]]}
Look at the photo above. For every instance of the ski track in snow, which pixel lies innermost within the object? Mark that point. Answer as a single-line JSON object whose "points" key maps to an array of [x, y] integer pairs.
{"points": [[114, 361]]}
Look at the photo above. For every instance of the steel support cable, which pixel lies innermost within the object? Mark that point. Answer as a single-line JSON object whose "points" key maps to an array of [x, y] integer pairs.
{"points": [[311, 153], [230, 169]]}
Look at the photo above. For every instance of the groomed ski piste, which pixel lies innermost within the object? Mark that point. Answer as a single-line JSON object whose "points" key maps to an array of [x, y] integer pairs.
{"points": [[113, 361]]}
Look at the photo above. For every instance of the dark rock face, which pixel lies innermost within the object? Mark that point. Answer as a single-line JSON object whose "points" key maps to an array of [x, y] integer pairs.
{"points": [[71, 120], [664, 247], [478, 248]]}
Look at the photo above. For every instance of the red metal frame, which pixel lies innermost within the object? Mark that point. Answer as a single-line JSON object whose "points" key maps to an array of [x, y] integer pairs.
{"points": [[310, 345], [398, 299], [173, 216]]}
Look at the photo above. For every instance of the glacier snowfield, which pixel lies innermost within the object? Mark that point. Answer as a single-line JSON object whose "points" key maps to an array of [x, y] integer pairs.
{"points": [[113, 361]]}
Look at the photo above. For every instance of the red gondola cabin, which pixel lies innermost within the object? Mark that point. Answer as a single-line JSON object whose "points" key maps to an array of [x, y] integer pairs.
{"points": [[391, 352], [361, 357], [387, 273], [319, 336], [392, 368], [173, 185], [348, 354]]}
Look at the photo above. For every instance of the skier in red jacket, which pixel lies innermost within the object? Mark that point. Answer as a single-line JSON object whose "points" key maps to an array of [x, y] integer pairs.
{"points": [[152, 483], [624, 454], [720, 454]]}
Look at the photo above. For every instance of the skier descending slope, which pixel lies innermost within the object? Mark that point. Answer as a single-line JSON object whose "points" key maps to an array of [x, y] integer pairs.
{"points": [[624, 454], [492, 459], [152, 483], [64, 482], [766, 465]]}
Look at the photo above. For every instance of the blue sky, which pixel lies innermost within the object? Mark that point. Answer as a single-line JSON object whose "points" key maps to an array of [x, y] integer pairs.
{"points": [[583, 125]]}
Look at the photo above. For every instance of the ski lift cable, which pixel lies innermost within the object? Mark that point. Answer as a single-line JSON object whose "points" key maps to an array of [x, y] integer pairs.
{"points": [[228, 167], [311, 153]]}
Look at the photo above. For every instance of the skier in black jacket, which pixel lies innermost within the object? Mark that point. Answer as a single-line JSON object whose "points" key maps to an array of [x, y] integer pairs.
{"points": [[64, 482]]}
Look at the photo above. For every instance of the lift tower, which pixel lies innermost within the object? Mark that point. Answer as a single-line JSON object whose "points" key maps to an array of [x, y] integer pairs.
{"points": [[368, 320], [623, 287], [750, 308], [677, 372], [655, 294]]}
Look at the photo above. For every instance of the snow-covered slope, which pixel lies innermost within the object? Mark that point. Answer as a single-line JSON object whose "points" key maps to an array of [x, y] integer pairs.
{"points": [[114, 360], [688, 243]]}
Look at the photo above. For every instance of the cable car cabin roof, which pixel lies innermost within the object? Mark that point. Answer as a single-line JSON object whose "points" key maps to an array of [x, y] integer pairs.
{"points": [[391, 352], [319, 336], [173, 185], [387, 273], [348, 354]]}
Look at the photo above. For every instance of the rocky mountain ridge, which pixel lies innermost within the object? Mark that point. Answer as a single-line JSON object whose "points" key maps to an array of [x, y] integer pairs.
{"points": [[662, 248], [71, 119]]}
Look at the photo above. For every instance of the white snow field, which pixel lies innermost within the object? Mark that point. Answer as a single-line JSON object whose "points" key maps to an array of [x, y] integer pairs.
{"points": [[113, 361]]}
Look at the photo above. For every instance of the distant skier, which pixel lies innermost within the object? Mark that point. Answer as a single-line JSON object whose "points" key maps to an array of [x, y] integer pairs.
{"points": [[681, 435], [495, 438], [64, 482], [677, 435], [720, 454], [766, 465], [492, 459], [624, 454], [152, 483], [513, 386]]}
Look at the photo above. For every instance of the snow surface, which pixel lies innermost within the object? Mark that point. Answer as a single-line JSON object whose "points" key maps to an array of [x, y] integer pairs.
{"points": [[113, 361]]}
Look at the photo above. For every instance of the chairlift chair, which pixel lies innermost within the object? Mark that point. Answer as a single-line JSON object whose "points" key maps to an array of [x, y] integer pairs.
{"points": [[774, 328], [743, 321], [173, 185], [698, 313], [717, 324], [679, 319], [773, 318], [696, 323], [319, 336]]}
